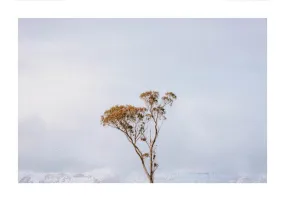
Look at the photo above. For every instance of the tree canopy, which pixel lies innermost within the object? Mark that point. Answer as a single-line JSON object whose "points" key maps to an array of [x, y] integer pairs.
{"points": [[141, 125]]}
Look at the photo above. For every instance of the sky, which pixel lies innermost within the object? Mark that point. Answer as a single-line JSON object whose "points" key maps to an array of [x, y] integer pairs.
{"points": [[72, 70]]}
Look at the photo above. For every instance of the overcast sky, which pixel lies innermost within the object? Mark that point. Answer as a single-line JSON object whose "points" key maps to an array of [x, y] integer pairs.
{"points": [[72, 70]]}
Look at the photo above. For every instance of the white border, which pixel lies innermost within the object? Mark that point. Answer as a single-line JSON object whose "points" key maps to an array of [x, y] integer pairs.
{"points": [[11, 190]]}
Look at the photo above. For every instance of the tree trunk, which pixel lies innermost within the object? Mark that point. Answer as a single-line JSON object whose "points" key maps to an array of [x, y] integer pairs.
{"points": [[151, 179]]}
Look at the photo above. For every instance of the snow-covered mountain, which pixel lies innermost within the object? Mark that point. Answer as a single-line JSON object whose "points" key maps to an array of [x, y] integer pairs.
{"points": [[107, 176], [96, 176]]}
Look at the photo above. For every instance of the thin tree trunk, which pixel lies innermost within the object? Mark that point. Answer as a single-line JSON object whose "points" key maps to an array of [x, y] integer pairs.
{"points": [[151, 179], [145, 170]]}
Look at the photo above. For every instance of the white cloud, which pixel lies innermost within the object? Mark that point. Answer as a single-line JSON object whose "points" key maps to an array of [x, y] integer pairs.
{"points": [[71, 71]]}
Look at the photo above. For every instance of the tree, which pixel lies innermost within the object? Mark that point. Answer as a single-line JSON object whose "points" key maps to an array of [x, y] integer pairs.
{"points": [[141, 126]]}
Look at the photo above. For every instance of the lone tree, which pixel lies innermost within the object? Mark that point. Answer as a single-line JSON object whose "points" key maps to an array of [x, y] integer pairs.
{"points": [[141, 126]]}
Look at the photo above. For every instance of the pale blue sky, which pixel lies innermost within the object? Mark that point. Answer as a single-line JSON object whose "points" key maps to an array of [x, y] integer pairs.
{"points": [[71, 70]]}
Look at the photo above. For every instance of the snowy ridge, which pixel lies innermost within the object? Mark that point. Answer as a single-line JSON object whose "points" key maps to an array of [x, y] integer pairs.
{"points": [[107, 176], [186, 176], [98, 176]]}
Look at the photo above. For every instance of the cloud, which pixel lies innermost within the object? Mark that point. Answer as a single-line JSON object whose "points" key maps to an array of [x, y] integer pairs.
{"points": [[70, 71]]}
